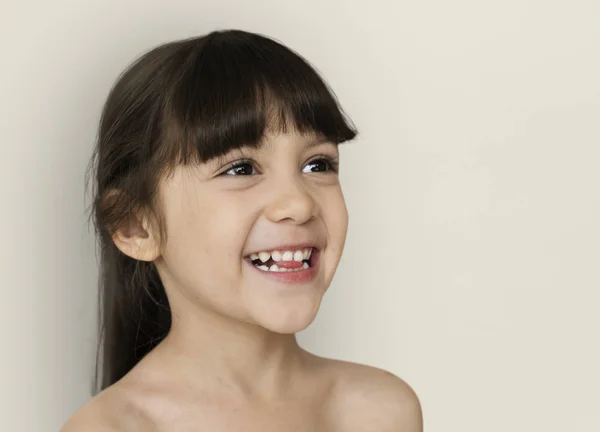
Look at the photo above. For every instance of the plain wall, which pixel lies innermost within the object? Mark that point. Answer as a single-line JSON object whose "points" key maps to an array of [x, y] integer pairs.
{"points": [[471, 268]]}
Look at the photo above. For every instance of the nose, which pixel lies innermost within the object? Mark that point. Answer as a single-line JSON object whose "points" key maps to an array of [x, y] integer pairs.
{"points": [[291, 200]]}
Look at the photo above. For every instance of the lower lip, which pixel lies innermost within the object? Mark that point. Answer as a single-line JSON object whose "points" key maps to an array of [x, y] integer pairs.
{"points": [[293, 277]]}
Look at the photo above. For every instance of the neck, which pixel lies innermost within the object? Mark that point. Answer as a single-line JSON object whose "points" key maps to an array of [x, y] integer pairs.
{"points": [[206, 348]]}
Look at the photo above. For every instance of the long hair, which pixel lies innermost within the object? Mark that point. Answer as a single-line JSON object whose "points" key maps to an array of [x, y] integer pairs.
{"points": [[184, 102]]}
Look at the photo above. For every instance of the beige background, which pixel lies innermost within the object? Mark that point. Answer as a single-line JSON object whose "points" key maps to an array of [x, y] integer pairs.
{"points": [[472, 263]]}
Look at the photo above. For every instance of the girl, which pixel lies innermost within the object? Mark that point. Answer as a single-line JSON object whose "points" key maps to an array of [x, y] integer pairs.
{"points": [[221, 222]]}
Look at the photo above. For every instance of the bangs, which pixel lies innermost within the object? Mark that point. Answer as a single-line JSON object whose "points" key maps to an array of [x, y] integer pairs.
{"points": [[234, 87]]}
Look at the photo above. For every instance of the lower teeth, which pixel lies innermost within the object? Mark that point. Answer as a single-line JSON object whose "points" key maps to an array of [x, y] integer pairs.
{"points": [[275, 268]]}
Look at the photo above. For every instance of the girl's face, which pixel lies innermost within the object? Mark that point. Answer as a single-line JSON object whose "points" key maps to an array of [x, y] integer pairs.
{"points": [[257, 235]]}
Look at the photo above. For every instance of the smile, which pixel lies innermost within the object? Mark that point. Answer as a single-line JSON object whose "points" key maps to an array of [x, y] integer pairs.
{"points": [[282, 261], [298, 265]]}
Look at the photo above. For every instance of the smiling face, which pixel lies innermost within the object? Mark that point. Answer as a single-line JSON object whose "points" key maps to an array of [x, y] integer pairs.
{"points": [[257, 234]]}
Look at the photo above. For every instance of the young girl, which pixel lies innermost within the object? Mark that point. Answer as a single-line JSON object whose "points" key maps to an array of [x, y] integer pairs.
{"points": [[221, 223]]}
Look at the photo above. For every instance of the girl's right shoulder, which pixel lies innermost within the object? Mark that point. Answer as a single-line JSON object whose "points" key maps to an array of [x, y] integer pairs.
{"points": [[112, 410], [94, 416]]}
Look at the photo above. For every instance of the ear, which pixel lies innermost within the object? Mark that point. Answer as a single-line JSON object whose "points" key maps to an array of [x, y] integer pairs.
{"points": [[136, 240]]}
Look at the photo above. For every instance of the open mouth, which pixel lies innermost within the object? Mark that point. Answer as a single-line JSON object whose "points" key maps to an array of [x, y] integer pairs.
{"points": [[283, 261]]}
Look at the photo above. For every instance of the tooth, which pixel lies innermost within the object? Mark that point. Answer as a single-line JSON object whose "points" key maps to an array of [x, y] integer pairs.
{"points": [[276, 255], [305, 265], [264, 256], [263, 267], [288, 256], [298, 255], [254, 257], [309, 253], [305, 254], [274, 267]]}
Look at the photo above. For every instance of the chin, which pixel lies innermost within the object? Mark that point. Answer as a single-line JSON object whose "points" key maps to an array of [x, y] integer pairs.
{"points": [[290, 327], [288, 320]]}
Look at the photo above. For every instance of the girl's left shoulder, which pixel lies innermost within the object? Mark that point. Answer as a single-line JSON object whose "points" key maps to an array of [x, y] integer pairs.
{"points": [[368, 398]]}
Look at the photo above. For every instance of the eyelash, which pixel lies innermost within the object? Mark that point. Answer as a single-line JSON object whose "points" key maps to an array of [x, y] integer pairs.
{"points": [[332, 165]]}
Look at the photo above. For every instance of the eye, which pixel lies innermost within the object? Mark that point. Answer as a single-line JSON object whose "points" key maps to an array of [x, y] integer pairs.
{"points": [[240, 168], [322, 164]]}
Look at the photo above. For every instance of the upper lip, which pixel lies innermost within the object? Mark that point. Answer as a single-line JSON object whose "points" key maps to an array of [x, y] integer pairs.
{"points": [[287, 247]]}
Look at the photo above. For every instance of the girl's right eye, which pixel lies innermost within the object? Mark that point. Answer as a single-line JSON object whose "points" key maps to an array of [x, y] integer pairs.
{"points": [[242, 168]]}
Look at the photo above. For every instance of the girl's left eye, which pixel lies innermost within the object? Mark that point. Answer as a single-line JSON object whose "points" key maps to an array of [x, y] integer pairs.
{"points": [[321, 165]]}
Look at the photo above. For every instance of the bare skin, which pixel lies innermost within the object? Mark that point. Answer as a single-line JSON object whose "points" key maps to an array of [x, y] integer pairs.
{"points": [[327, 395], [231, 361]]}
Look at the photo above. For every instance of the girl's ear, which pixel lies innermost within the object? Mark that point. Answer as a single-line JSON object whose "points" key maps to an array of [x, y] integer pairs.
{"points": [[136, 240]]}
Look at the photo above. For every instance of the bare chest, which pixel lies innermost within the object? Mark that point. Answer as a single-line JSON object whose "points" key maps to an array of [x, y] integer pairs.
{"points": [[274, 418]]}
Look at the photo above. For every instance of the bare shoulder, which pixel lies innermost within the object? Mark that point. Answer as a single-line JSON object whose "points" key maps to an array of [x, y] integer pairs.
{"points": [[369, 398], [112, 410], [91, 417]]}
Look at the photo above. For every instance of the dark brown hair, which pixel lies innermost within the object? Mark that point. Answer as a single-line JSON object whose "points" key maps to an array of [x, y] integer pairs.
{"points": [[184, 102]]}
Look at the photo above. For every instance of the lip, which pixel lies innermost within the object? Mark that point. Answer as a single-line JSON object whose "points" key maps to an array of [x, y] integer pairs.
{"points": [[295, 277]]}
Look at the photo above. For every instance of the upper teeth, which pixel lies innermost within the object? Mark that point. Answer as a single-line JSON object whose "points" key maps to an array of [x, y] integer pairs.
{"points": [[288, 255]]}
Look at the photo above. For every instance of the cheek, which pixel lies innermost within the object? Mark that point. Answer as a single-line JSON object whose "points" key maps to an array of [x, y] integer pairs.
{"points": [[205, 242], [335, 214]]}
